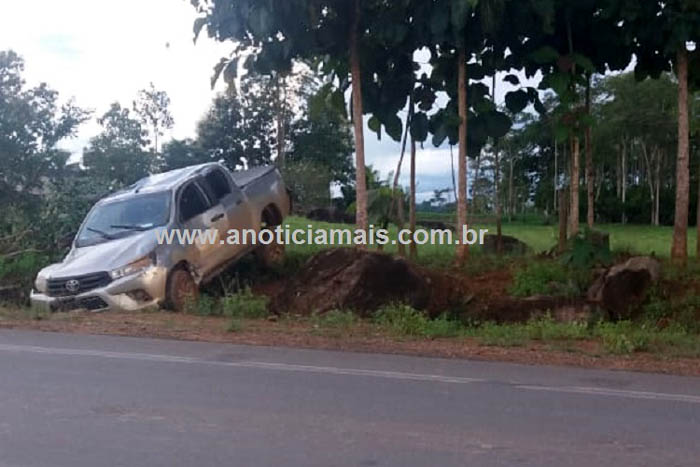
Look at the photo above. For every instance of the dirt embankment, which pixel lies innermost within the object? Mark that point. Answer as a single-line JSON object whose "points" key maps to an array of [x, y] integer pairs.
{"points": [[363, 281]]}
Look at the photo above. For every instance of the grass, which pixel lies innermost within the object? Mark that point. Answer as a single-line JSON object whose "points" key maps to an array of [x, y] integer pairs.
{"points": [[634, 239]]}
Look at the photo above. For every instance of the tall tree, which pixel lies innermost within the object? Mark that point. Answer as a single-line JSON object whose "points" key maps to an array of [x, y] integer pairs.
{"points": [[239, 127], [358, 124], [462, 247], [118, 153], [660, 32], [152, 106], [32, 123], [342, 35]]}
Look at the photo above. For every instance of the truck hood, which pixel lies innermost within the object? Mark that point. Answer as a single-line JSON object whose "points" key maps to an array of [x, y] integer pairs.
{"points": [[105, 256]]}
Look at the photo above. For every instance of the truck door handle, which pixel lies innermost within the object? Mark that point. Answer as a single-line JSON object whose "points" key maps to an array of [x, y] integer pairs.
{"points": [[217, 217]]}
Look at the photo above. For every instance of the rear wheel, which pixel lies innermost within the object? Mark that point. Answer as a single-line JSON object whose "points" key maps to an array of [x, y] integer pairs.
{"points": [[273, 254], [182, 291]]}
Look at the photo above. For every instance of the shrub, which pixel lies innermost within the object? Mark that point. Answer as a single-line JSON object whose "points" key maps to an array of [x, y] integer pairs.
{"points": [[542, 277], [623, 337], [545, 328], [402, 319], [205, 306], [244, 304], [335, 319]]}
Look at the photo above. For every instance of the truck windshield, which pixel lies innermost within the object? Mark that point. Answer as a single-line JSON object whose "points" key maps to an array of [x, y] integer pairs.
{"points": [[119, 219]]}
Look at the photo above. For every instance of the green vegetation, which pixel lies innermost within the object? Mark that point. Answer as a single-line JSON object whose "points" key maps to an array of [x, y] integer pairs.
{"points": [[633, 239]]}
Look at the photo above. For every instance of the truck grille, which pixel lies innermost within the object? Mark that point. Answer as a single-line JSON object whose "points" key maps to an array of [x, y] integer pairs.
{"points": [[67, 286]]}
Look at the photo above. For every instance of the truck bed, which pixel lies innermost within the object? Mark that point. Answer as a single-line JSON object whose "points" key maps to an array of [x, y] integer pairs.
{"points": [[246, 177]]}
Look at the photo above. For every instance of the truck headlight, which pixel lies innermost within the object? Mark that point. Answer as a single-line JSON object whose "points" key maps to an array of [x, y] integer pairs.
{"points": [[134, 267], [40, 284]]}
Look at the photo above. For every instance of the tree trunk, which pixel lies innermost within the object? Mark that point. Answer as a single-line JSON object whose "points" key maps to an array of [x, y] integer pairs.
{"points": [[475, 185], [556, 173], [618, 173], [590, 180], [412, 252], [657, 180], [280, 123], [397, 198], [624, 180], [697, 220], [360, 180], [650, 178], [573, 192], [462, 248], [454, 184], [679, 249], [497, 179], [563, 221], [510, 190]]}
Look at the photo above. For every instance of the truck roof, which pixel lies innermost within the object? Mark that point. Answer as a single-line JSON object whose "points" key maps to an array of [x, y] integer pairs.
{"points": [[160, 182]]}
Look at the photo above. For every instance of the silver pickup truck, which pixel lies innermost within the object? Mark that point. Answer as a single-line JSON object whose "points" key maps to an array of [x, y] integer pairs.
{"points": [[117, 260]]}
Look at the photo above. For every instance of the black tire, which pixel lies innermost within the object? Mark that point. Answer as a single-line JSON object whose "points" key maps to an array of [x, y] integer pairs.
{"points": [[181, 290]]}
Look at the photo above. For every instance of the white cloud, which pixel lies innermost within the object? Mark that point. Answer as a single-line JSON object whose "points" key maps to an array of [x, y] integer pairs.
{"points": [[100, 52]]}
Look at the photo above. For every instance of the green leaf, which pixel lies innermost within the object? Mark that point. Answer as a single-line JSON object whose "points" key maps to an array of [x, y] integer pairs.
{"points": [[394, 127], [217, 71], [260, 21], [475, 71], [199, 23], [419, 126], [374, 124], [561, 132], [512, 79], [439, 135], [516, 101], [545, 54], [439, 21], [497, 124], [231, 71], [583, 62], [337, 102], [460, 14], [559, 82]]}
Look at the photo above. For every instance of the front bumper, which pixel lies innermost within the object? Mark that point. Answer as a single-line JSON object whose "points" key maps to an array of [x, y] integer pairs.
{"points": [[135, 292]]}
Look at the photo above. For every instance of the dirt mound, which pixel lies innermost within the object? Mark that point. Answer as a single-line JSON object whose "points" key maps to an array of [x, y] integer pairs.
{"points": [[362, 281], [623, 287], [509, 245]]}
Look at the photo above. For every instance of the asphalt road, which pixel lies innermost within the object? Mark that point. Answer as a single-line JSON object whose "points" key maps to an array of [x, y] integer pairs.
{"points": [[79, 401]]}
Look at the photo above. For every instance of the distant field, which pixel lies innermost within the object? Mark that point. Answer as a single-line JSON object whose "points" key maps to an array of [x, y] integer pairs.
{"points": [[639, 239]]}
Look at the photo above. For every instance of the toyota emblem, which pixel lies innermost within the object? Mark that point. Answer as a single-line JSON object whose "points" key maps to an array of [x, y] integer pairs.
{"points": [[73, 285]]}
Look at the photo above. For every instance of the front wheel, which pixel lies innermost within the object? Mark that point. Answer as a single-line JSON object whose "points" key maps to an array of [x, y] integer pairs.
{"points": [[182, 291]]}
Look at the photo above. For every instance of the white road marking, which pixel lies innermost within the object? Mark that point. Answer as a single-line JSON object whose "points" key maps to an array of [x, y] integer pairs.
{"points": [[397, 375], [615, 393], [243, 364]]}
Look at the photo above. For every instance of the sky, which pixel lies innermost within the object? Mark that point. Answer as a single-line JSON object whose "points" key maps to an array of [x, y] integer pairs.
{"points": [[100, 52]]}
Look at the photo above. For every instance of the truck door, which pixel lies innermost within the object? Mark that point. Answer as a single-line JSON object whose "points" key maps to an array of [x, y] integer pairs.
{"points": [[233, 203], [197, 213]]}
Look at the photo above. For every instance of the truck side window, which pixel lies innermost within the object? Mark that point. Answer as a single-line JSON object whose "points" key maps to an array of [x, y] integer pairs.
{"points": [[192, 203], [219, 184]]}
